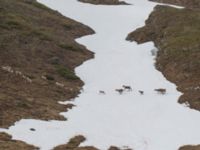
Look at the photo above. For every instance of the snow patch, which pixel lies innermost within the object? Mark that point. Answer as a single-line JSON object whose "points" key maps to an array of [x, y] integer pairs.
{"points": [[143, 122]]}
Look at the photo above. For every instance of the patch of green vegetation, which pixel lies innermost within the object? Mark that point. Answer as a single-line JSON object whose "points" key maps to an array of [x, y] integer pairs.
{"points": [[4, 26], [12, 21], [3, 45], [37, 33], [30, 76], [14, 24], [67, 26], [71, 46], [176, 32], [22, 104], [41, 34], [49, 77], [66, 73], [182, 41], [38, 5]]}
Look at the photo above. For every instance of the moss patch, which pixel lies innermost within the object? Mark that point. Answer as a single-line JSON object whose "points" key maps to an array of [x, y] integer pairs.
{"points": [[66, 73]]}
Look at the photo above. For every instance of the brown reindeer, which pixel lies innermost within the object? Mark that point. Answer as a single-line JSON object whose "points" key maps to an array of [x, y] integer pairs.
{"points": [[161, 91], [120, 91], [102, 92], [141, 92], [126, 87]]}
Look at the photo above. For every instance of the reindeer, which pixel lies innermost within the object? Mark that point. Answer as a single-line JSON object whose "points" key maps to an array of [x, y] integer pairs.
{"points": [[161, 91], [32, 129], [141, 92], [120, 91], [126, 87], [102, 92]]}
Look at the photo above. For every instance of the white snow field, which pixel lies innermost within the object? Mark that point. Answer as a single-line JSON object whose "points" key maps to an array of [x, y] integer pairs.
{"points": [[143, 122]]}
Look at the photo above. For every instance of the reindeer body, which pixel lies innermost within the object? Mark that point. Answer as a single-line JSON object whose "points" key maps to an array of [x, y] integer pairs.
{"points": [[32, 129], [102, 92], [120, 91], [161, 91], [126, 87], [141, 92]]}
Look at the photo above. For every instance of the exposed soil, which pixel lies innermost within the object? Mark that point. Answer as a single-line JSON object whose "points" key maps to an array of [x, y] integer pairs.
{"points": [[194, 4], [104, 2], [6, 143], [38, 55], [176, 33]]}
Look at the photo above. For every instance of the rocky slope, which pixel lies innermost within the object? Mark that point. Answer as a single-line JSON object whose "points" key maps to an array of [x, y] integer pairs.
{"points": [[104, 2], [194, 4]]}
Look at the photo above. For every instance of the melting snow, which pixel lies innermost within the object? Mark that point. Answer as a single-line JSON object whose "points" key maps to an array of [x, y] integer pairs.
{"points": [[142, 122]]}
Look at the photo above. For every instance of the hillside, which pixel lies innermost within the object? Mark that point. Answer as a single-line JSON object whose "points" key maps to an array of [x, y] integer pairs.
{"points": [[176, 34], [38, 55], [38, 52]]}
